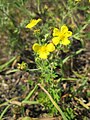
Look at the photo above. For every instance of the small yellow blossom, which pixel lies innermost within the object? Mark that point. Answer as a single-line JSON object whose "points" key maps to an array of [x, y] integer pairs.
{"points": [[33, 23], [22, 66], [61, 36], [43, 50]]}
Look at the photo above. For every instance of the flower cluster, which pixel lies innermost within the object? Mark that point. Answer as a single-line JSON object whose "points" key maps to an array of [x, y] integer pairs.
{"points": [[22, 66], [59, 37]]}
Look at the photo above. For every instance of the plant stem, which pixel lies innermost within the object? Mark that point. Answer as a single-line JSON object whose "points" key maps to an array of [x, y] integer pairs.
{"points": [[54, 103], [30, 94], [4, 111]]}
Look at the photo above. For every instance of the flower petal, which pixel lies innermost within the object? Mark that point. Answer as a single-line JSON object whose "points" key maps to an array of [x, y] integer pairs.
{"points": [[65, 41], [43, 55], [56, 40], [64, 29], [36, 47], [56, 32], [50, 47], [68, 34], [33, 23]]}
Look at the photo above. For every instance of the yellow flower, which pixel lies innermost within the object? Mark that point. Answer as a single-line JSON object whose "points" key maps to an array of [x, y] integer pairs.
{"points": [[61, 36], [33, 23], [43, 50]]}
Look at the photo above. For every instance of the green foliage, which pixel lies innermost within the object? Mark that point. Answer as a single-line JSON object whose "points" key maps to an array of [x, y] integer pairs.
{"points": [[69, 114]]}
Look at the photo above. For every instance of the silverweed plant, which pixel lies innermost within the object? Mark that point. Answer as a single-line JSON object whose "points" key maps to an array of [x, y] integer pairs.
{"points": [[49, 41], [48, 50], [47, 60]]}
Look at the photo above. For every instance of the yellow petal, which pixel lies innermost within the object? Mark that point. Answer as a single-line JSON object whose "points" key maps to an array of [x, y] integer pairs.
{"points": [[56, 32], [36, 47], [64, 28], [43, 55], [50, 47], [33, 23], [68, 34], [56, 40], [65, 41]]}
